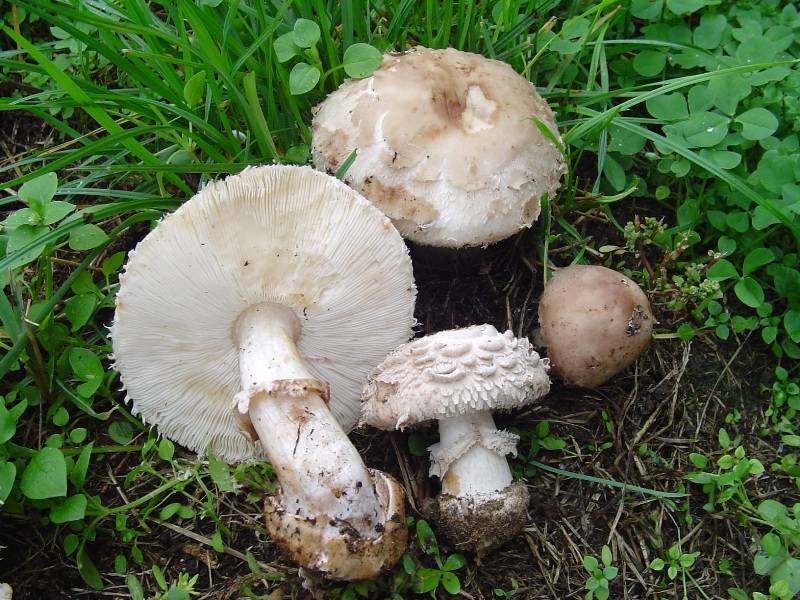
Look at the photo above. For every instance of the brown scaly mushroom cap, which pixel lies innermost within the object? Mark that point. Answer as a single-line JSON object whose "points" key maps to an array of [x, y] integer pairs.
{"points": [[447, 145], [459, 377], [595, 323], [274, 290]]}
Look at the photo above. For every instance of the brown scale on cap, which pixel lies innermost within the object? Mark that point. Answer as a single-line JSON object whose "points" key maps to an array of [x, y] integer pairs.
{"points": [[595, 323]]}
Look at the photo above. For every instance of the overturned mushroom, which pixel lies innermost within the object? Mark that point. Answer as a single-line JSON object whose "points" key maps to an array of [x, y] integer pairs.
{"points": [[447, 145], [278, 289], [459, 377], [595, 323]]}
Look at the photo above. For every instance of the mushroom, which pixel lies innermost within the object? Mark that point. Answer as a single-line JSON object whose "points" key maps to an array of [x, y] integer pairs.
{"points": [[5, 591], [275, 290], [595, 322], [447, 145], [459, 377]]}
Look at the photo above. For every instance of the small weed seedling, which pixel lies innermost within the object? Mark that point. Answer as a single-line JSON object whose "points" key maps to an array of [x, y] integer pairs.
{"points": [[429, 579], [600, 575], [728, 482], [677, 562]]}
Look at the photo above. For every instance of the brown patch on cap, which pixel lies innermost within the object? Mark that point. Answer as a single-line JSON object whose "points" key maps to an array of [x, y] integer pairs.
{"points": [[396, 203]]}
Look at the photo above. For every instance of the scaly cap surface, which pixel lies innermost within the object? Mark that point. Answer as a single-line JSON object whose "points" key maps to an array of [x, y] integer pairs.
{"points": [[447, 145], [451, 373]]}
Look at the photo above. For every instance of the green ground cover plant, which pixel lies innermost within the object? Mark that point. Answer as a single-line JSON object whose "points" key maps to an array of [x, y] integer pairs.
{"points": [[680, 123]]}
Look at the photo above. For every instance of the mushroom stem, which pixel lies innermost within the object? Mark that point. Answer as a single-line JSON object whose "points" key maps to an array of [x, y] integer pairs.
{"points": [[470, 456], [319, 470]]}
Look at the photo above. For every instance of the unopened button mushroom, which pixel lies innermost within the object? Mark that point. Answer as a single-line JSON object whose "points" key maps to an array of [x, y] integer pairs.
{"points": [[446, 143], [245, 326], [459, 377], [595, 323]]}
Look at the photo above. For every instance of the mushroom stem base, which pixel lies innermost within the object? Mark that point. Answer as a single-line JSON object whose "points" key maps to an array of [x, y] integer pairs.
{"points": [[336, 549], [480, 522]]}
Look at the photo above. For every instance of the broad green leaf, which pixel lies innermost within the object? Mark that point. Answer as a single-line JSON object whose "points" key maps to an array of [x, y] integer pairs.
{"points": [[168, 511], [708, 34], [23, 216], [79, 309], [55, 211], [306, 33], [71, 542], [302, 78], [77, 475], [86, 237], [451, 583], [647, 10], [724, 159], [757, 257], [166, 449], [749, 291], [120, 564], [738, 220], [121, 432], [590, 563], [45, 476], [791, 322], [757, 123], [700, 98], [429, 580], [20, 237], [72, 509], [9, 418], [37, 192], [61, 417], [682, 7], [454, 562], [649, 63], [83, 284], [722, 269], [176, 593], [221, 474], [8, 473], [87, 570], [194, 88], [361, 60], [728, 91], [668, 107], [87, 367], [135, 588], [285, 48], [703, 129], [112, 263]]}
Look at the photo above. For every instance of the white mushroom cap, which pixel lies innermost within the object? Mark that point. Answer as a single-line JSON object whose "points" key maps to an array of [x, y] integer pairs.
{"points": [[452, 373], [278, 234], [447, 145]]}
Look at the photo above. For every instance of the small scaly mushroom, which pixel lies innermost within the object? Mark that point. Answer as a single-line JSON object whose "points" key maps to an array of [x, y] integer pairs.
{"points": [[459, 377], [275, 290], [447, 145], [595, 322]]}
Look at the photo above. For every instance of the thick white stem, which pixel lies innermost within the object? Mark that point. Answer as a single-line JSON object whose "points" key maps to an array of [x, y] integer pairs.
{"points": [[478, 470], [319, 470]]}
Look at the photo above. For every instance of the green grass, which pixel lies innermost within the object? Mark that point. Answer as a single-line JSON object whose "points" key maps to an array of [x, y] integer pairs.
{"points": [[684, 111]]}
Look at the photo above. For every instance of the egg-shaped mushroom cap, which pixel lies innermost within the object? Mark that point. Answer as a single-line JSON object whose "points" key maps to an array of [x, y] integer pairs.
{"points": [[595, 322], [447, 145], [278, 234], [454, 372]]}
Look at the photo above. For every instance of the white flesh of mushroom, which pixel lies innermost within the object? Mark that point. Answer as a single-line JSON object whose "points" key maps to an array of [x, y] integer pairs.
{"points": [[319, 469], [470, 455]]}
